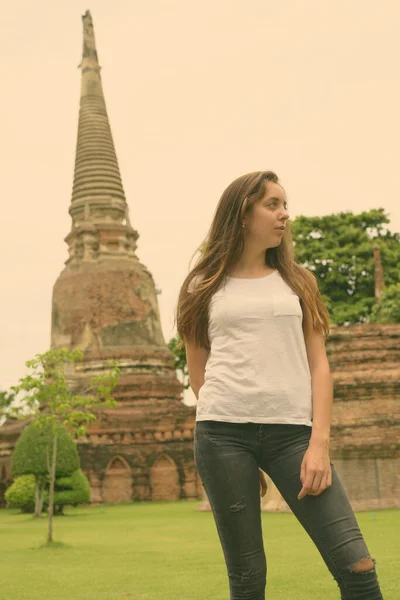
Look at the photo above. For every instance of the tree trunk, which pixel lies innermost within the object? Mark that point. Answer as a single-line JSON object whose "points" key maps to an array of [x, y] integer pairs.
{"points": [[52, 482], [41, 497], [37, 497], [40, 486]]}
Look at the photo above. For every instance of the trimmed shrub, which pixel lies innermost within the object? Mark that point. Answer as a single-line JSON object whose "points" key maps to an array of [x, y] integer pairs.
{"points": [[21, 494], [33, 446], [71, 491]]}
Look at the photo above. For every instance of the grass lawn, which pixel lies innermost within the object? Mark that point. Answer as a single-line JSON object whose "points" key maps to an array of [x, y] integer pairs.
{"points": [[169, 551]]}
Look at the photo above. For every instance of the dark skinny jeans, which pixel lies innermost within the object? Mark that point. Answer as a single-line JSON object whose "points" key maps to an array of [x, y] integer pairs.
{"points": [[227, 457]]}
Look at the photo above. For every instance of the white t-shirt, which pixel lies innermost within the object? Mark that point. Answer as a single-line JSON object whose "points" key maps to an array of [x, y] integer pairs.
{"points": [[257, 370]]}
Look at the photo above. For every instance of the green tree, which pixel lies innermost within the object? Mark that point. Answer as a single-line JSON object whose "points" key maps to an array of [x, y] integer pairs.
{"points": [[54, 402], [180, 363], [6, 401], [32, 455], [338, 249], [72, 490], [387, 309], [21, 493]]}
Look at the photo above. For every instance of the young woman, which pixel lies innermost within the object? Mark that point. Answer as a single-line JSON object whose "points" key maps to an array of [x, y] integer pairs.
{"points": [[254, 327]]}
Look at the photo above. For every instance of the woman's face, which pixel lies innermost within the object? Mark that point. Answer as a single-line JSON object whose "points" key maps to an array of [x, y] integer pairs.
{"points": [[266, 216]]}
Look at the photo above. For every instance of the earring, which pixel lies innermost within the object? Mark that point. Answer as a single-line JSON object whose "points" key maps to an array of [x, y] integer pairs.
{"points": [[244, 224]]}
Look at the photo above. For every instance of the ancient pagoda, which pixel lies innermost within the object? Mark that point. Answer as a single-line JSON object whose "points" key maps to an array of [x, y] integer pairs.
{"points": [[105, 303]]}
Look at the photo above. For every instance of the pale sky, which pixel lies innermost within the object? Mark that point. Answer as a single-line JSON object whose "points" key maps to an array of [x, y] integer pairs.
{"points": [[197, 94]]}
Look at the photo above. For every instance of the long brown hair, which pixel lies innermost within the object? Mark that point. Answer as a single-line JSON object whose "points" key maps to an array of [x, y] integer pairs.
{"points": [[220, 252]]}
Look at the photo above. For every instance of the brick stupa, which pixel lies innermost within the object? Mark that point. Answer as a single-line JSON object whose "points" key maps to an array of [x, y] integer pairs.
{"points": [[105, 303]]}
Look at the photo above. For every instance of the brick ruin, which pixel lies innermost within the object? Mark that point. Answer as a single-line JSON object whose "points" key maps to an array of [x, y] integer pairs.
{"points": [[105, 303], [365, 443]]}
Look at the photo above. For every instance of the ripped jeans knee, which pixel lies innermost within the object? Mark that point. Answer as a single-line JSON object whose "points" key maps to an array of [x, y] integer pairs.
{"points": [[360, 581], [363, 566]]}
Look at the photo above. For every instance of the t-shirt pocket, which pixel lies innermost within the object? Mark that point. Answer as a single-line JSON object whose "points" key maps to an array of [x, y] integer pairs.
{"points": [[287, 305]]}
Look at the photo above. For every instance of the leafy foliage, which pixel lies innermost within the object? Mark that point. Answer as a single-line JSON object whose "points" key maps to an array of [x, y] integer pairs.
{"points": [[33, 451], [56, 405], [71, 491], [53, 400], [338, 249], [6, 401], [21, 493], [180, 363], [387, 310]]}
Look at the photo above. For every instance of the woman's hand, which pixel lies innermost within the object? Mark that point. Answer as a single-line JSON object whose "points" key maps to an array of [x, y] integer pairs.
{"points": [[263, 483], [316, 472]]}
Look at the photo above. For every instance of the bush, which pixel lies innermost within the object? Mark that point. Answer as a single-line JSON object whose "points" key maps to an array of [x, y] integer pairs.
{"points": [[21, 494], [36, 443], [387, 309], [73, 490]]}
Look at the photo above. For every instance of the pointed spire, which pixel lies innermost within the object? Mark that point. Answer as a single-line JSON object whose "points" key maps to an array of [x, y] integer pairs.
{"points": [[89, 44], [100, 221], [96, 166]]}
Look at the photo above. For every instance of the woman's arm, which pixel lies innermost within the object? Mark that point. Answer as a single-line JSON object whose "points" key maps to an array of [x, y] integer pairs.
{"points": [[316, 472], [196, 358], [322, 387]]}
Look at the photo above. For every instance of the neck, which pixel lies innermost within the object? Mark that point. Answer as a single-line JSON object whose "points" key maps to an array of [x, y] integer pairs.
{"points": [[253, 261]]}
